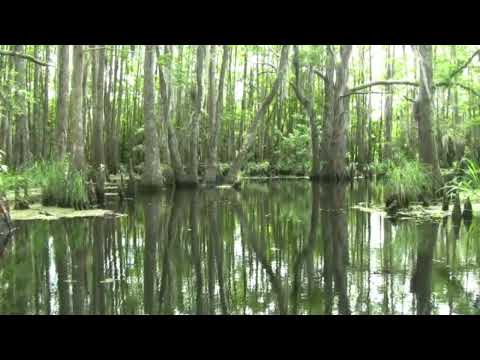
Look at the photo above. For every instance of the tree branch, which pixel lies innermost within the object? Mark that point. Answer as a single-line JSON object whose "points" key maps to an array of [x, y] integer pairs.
{"points": [[269, 65], [377, 83], [408, 99], [370, 92], [465, 87], [459, 70], [24, 56], [318, 73], [97, 48]]}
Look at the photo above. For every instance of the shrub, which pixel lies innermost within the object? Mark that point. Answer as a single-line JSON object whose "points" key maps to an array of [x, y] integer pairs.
{"points": [[294, 155], [257, 169]]}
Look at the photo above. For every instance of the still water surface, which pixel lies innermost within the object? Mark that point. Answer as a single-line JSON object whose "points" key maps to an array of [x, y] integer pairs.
{"points": [[285, 247]]}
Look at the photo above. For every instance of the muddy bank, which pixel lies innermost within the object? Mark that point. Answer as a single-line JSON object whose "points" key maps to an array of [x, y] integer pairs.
{"points": [[49, 213]]}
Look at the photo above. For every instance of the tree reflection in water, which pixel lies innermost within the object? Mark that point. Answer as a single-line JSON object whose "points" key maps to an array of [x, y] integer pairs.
{"points": [[272, 248]]}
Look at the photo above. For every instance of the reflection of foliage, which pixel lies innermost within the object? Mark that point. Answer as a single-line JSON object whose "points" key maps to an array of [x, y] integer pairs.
{"points": [[382, 257]]}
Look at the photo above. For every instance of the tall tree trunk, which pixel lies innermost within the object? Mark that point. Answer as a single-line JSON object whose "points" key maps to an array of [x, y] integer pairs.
{"points": [[115, 151], [98, 155], [241, 157], [423, 113], [164, 101], [334, 136], [307, 103], [387, 149], [201, 52], [76, 118], [244, 98], [168, 118], [211, 174], [112, 120], [45, 133], [152, 176], [22, 142], [62, 100], [216, 112], [456, 115], [361, 113], [36, 126]]}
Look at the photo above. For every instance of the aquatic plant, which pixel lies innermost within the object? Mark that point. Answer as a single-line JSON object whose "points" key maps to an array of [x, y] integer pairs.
{"points": [[407, 182], [467, 182], [63, 186], [257, 169]]}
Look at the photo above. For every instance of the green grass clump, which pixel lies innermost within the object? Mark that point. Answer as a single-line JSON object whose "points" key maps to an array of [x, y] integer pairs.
{"points": [[407, 181], [62, 185], [257, 169], [468, 182]]}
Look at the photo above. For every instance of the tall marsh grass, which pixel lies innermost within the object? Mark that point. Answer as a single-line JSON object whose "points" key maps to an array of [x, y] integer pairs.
{"points": [[62, 185], [407, 181], [468, 182]]}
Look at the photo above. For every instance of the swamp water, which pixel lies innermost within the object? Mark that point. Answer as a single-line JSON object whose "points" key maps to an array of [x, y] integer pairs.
{"points": [[281, 247]]}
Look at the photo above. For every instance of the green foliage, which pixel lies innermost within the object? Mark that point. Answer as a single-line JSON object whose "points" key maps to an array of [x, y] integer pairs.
{"points": [[257, 169], [468, 182], [62, 185], [7, 182], [11, 180], [293, 154], [223, 169], [407, 181]]}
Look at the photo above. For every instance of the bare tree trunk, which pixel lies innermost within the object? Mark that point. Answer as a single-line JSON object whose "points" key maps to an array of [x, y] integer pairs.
{"points": [[244, 99], [36, 130], [152, 176], [387, 149], [193, 176], [211, 171], [98, 125], [456, 115], [361, 114], [114, 144], [45, 133], [216, 109], [423, 113], [167, 119], [76, 100], [334, 136], [164, 101], [22, 142], [98, 142], [307, 103], [371, 155], [62, 100], [115, 150], [239, 160]]}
